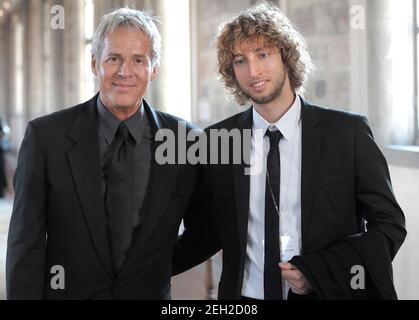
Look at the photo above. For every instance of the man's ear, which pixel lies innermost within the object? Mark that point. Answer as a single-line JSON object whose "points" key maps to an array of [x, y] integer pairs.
{"points": [[153, 74], [94, 65]]}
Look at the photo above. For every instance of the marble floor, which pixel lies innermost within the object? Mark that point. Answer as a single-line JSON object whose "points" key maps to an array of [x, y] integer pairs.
{"points": [[5, 211]]}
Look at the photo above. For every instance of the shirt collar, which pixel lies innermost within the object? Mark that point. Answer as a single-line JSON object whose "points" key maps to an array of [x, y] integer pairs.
{"points": [[109, 123], [286, 125]]}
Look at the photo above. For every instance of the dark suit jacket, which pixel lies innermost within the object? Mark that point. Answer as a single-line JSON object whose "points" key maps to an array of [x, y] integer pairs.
{"points": [[59, 216], [345, 182]]}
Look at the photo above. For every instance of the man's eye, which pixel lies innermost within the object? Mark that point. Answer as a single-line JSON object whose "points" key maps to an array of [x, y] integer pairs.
{"points": [[139, 61], [112, 59], [263, 55], [238, 62]]}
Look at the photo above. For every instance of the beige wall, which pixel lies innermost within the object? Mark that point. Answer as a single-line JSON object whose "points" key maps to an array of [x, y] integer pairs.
{"points": [[406, 187]]}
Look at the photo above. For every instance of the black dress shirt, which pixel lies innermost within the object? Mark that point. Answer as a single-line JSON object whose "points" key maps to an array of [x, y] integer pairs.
{"points": [[138, 126]]}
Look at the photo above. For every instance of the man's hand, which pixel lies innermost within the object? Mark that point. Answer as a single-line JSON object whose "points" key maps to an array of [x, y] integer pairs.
{"points": [[295, 279]]}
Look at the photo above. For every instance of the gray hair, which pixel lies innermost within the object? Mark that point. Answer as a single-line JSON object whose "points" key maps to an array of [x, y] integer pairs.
{"points": [[132, 19]]}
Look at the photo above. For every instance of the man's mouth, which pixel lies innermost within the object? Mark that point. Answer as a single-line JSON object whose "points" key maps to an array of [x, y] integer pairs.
{"points": [[123, 85], [259, 84]]}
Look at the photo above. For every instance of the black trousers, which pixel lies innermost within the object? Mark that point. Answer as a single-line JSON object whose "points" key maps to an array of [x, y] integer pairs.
{"points": [[291, 296]]}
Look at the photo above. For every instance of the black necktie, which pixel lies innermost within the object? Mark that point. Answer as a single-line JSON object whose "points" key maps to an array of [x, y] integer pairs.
{"points": [[119, 173], [272, 272]]}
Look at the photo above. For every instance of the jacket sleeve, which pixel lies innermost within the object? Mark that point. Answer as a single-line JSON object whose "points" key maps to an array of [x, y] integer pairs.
{"points": [[26, 246], [199, 240], [330, 270], [375, 201]]}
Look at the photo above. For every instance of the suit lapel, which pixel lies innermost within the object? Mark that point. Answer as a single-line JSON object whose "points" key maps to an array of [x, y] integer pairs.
{"points": [[84, 161], [162, 181], [311, 149], [241, 180]]}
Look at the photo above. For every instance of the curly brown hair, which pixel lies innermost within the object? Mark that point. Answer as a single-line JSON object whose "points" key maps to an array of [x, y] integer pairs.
{"points": [[263, 21]]}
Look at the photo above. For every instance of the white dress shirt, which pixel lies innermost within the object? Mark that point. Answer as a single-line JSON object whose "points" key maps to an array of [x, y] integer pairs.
{"points": [[290, 197]]}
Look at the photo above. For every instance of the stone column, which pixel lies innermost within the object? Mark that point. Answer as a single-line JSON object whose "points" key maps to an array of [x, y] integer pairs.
{"points": [[16, 78], [5, 107], [73, 51], [34, 59], [172, 89], [54, 53]]}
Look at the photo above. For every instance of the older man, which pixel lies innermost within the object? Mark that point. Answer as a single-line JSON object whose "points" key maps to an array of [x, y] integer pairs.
{"points": [[95, 216]]}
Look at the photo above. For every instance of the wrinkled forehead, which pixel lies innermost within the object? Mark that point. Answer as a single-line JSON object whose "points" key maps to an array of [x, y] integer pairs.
{"points": [[241, 47]]}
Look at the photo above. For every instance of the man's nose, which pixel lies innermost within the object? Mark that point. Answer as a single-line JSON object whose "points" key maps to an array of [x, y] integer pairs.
{"points": [[125, 69], [254, 68]]}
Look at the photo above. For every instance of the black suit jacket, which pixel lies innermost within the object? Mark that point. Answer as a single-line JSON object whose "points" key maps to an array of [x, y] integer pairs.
{"points": [[345, 182], [59, 216]]}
